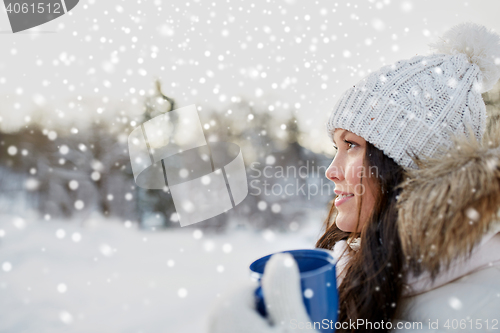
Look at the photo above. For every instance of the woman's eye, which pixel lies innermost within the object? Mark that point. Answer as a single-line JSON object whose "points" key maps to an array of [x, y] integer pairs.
{"points": [[350, 144], [335, 147]]}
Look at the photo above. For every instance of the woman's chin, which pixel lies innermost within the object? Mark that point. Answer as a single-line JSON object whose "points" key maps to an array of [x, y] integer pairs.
{"points": [[343, 223]]}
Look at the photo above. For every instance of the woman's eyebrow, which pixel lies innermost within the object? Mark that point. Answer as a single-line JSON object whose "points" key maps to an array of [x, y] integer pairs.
{"points": [[341, 136]]}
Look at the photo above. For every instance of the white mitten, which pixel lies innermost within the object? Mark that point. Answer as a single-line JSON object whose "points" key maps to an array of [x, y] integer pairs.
{"points": [[283, 294], [236, 312]]}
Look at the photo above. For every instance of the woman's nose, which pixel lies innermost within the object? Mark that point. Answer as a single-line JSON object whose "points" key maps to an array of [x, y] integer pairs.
{"points": [[334, 171]]}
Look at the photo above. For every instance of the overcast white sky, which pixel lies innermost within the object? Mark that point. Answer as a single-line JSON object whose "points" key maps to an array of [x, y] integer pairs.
{"points": [[283, 55]]}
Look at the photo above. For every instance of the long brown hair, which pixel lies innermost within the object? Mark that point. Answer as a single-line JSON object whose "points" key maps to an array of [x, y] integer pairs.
{"points": [[373, 283]]}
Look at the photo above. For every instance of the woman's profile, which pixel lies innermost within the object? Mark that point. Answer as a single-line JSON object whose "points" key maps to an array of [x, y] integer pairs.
{"points": [[414, 224]]}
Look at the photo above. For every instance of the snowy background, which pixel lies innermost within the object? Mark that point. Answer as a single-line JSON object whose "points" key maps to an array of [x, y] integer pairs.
{"points": [[84, 250], [106, 277]]}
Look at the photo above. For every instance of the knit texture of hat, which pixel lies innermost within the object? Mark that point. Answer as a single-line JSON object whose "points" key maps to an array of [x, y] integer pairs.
{"points": [[414, 106]]}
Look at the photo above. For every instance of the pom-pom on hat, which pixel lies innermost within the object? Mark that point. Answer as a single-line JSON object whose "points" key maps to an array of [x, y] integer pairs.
{"points": [[414, 106]]}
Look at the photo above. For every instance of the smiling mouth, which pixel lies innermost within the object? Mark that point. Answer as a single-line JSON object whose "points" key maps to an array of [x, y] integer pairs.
{"points": [[342, 198]]}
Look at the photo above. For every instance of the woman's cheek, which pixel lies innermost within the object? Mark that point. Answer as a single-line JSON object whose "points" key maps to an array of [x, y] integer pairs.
{"points": [[351, 174]]}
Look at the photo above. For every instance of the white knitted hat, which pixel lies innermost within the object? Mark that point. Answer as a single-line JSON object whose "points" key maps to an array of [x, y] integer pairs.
{"points": [[415, 105]]}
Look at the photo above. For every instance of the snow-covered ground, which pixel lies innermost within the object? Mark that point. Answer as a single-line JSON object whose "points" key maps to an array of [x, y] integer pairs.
{"points": [[102, 276]]}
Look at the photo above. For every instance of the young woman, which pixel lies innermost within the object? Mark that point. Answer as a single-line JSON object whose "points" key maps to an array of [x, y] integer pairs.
{"points": [[414, 225]]}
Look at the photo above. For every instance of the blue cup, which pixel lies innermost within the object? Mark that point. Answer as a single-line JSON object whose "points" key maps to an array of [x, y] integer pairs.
{"points": [[317, 274]]}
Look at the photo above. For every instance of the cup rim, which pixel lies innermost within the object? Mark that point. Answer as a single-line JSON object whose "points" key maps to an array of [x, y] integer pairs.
{"points": [[327, 256]]}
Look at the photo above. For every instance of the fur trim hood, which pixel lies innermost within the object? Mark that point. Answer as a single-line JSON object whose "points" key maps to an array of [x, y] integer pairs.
{"points": [[450, 202]]}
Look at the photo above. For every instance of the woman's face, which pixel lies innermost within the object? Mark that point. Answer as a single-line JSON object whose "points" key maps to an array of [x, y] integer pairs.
{"points": [[346, 171]]}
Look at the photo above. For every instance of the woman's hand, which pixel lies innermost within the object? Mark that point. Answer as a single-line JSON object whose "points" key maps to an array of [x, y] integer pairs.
{"points": [[236, 312]]}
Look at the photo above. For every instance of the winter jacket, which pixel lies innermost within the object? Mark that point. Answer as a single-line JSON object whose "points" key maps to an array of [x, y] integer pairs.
{"points": [[448, 221], [465, 300], [448, 218]]}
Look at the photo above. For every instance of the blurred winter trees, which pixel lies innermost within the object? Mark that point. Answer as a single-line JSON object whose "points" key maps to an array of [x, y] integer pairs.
{"points": [[492, 102], [72, 174]]}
